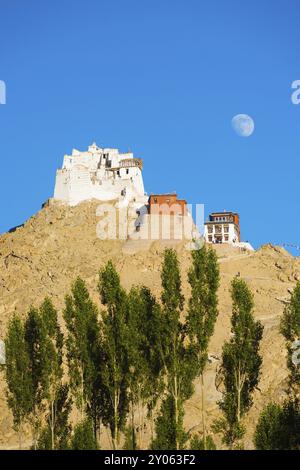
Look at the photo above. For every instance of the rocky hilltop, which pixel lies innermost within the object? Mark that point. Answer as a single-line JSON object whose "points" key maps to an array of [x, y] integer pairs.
{"points": [[45, 255]]}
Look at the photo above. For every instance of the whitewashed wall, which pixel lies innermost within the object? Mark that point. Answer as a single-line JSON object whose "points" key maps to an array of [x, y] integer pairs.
{"points": [[84, 176]]}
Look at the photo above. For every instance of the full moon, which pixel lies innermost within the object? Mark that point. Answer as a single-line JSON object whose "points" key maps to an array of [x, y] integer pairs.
{"points": [[243, 125]]}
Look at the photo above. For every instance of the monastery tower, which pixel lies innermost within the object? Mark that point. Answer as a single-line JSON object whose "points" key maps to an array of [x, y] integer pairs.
{"points": [[100, 173]]}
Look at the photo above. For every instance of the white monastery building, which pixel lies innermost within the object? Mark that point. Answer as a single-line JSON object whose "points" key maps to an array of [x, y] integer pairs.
{"points": [[222, 227], [100, 173]]}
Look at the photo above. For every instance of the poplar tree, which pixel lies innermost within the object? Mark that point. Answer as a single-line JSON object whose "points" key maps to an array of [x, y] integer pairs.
{"points": [[203, 278], [97, 405], [169, 429], [290, 329], [37, 346], [144, 358], [268, 432], [83, 437], [80, 315], [241, 364], [63, 405], [278, 426], [115, 371], [197, 443], [175, 355], [42, 355], [130, 442], [18, 378], [52, 363]]}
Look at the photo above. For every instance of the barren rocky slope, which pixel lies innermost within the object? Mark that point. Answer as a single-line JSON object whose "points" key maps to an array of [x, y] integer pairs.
{"points": [[59, 243]]}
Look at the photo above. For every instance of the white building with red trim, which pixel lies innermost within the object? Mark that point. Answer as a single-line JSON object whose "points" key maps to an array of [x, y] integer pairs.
{"points": [[224, 227]]}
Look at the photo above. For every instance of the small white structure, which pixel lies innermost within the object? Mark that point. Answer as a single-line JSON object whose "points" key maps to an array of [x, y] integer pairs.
{"points": [[2, 353], [99, 173]]}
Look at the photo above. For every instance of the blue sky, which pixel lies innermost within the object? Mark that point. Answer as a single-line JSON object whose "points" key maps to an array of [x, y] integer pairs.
{"points": [[163, 78]]}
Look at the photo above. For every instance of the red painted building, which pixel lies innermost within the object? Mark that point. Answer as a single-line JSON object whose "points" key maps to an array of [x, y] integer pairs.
{"points": [[167, 204]]}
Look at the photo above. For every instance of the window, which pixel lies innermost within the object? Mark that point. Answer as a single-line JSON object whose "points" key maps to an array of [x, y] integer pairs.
{"points": [[210, 238], [155, 200], [118, 172], [226, 238], [210, 229], [127, 171], [226, 229]]}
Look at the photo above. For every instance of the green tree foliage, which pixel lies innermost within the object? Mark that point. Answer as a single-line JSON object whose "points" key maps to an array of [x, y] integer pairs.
{"points": [[145, 365], [290, 328], [169, 429], [176, 357], [62, 428], [278, 427], [115, 372], [241, 363], [268, 433], [197, 443], [36, 337], [18, 377], [99, 399], [80, 315], [137, 354], [130, 442], [83, 437], [203, 277], [53, 371], [41, 354]]}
